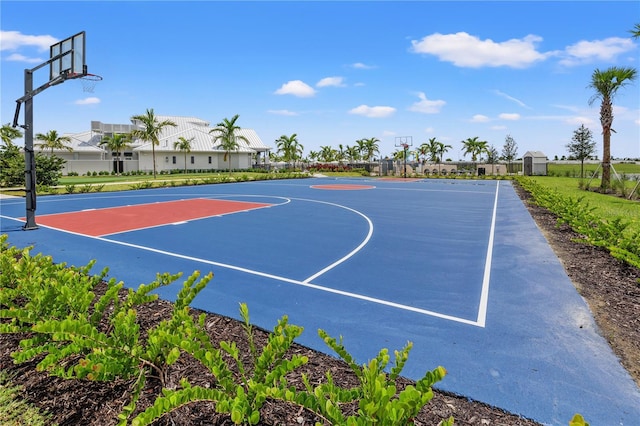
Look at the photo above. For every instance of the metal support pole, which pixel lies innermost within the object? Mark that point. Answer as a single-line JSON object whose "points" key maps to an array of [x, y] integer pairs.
{"points": [[29, 155], [405, 161]]}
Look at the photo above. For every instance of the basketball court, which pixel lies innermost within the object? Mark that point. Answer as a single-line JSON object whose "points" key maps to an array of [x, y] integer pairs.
{"points": [[458, 267]]}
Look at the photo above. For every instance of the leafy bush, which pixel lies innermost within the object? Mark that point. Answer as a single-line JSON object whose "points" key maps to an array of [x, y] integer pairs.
{"points": [[610, 234], [76, 334]]}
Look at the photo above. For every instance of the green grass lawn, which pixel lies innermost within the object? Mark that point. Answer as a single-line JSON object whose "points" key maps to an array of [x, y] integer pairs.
{"points": [[573, 170], [82, 180], [606, 206]]}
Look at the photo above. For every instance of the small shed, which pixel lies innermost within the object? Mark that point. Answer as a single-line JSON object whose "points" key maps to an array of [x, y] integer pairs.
{"points": [[534, 163]]}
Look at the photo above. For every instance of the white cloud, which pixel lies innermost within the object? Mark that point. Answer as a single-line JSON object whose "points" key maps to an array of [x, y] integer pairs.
{"points": [[509, 116], [88, 101], [17, 57], [12, 40], [426, 106], [498, 127], [388, 133], [331, 82], [597, 50], [465, 50], [373, 112], [361, 66], [296, 88], [282, 112], [511, 98], [479, 118]]}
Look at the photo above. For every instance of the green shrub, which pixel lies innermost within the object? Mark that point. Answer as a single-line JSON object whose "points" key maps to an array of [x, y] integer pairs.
{"points": [[75, 334], [611, 234]]}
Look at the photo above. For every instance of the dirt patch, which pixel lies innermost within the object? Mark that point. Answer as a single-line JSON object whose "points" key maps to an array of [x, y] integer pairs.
{"points": [[610, 287]]}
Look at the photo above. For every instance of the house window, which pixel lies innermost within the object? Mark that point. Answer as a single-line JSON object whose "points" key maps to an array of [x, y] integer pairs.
{"points": [[173, 159], [209, 159], [193, 159]]}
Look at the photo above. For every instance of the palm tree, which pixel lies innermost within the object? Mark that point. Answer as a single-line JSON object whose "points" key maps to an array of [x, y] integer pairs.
{"points": [[431, 149], [341, 153], [635, 32], [422, 152], [327, 154], [474, 147], [297, 149], [313, 156], [8, 134], [368, 147], [606, 84], [117, 143], [290, 147], [441, 149], [150, 131], [183, 144], [353, 153], [226, 132], [51, 140]]}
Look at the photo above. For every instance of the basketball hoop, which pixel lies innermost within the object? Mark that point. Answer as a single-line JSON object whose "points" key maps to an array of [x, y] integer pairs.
{"points": [[89, 82]]}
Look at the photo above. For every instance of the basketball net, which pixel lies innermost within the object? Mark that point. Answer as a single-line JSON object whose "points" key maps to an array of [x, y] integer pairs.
{"points": [[89, 82]]}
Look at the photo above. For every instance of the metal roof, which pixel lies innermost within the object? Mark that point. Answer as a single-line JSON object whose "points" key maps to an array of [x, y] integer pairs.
{"points": [[83, 142], [203, 141], [188, 127]]}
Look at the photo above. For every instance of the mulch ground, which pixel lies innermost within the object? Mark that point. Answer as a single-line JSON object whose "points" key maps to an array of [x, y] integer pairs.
{"points": [[610, 287]]}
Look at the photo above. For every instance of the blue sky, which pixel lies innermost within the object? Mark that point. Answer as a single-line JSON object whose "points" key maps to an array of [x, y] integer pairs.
{"points": [[336, 72]]}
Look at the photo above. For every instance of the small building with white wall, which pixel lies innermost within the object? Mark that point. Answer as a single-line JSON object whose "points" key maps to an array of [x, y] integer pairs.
{"points": [[534, 163]]}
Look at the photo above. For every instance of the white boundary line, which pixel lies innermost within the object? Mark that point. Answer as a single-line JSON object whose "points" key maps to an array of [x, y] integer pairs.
{"points": [[484, 296]]}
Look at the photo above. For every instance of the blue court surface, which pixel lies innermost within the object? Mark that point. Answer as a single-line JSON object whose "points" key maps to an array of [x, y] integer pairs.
{"points": [[458, 267]]}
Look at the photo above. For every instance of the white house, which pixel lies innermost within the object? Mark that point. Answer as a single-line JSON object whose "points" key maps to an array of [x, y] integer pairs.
{"points": [[88, 155], [534, 163]]}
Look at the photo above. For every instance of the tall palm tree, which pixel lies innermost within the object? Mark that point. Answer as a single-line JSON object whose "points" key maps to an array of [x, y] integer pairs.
{"points": [[290, 148], [368, 148], [341, 153], [183, 144], [441, 149], [150, 131], [635, 32], [327, 154], [474, 147], [298, 151], [353, 153], [226, 132], [51, 140], [606, 84], [431, 148], [422, 152], [313, 156], [8, 133], [117, 143]]}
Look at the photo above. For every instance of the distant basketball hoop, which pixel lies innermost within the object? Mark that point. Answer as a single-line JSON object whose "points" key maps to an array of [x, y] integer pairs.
{"points": [[404, 142]]}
